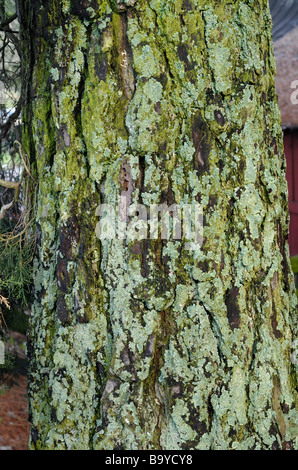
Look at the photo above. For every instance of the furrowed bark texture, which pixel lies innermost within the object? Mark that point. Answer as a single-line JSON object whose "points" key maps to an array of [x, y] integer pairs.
{"points": [[148, 345]]}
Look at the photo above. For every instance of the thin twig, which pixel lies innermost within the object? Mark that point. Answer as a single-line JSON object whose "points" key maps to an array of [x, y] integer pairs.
{"points": [[8, 21], [5, 208], [13, 117], [4, 301], [9, 184], [23, 157]]}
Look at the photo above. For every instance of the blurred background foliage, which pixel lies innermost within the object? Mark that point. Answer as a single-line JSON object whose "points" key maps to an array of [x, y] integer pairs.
{"points": [[16, 245]]}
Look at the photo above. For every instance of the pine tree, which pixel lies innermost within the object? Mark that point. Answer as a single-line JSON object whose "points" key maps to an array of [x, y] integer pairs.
{"points": [[147, 344]]}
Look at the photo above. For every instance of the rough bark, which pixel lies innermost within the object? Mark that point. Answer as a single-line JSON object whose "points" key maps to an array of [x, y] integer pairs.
{"points": [[147, 345]]}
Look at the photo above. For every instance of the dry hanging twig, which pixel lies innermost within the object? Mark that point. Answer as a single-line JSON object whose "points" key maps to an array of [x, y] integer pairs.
{"points": [[16, 185], [4, 301]]}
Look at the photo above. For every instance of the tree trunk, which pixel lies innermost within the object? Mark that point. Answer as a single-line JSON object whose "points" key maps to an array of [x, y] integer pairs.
{"points": [[147, 344]]}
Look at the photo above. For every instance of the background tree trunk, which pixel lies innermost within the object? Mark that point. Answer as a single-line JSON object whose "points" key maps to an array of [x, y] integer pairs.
{"points": [[148, 345]]}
